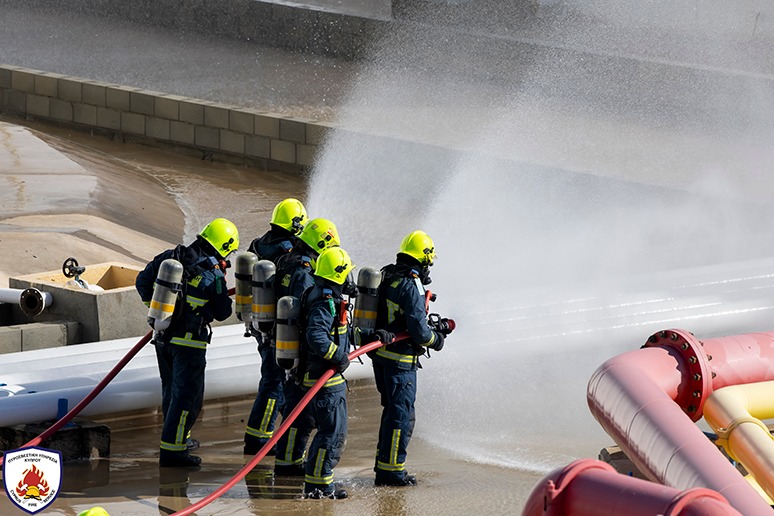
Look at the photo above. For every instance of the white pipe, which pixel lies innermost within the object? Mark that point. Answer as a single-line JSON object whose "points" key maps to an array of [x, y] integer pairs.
{"points": [[31, 300], [233, 369]]}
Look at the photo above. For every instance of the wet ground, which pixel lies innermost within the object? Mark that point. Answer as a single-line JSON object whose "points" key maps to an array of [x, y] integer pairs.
{"points": [[131, 483]]}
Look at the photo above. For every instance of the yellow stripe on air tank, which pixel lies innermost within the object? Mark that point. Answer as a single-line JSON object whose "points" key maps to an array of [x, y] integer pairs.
{"points": [[163, 307], [365, 314], [263, 309]]}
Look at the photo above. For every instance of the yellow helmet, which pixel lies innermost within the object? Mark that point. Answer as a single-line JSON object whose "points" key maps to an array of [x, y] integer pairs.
{"points": [[334, 264], [289, 214], [419, 245], [222, 235], [94, 511], [320, 234]]}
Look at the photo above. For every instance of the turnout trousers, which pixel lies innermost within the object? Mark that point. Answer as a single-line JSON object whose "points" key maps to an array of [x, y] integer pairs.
{"points": [[268, 402], [398, 391], [182, 392], [328, 410]]}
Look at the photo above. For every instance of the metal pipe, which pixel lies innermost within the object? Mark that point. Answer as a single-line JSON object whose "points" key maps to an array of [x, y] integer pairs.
{"points": [[31, 300], [590, 487], [735, 414], [647, 400]]}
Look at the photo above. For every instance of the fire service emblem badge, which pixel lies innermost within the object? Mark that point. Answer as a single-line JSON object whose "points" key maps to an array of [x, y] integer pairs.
{"points": [[32, 477]]}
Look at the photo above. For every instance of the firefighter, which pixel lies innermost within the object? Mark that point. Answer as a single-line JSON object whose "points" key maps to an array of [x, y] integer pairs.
{"points": [[325, 342], [287, 222], [181, 347], [293, 277], [402, 308]]}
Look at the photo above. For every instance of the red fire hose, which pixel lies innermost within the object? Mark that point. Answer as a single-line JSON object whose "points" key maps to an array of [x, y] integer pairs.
{"points": [[282, 429], [95, 392]]}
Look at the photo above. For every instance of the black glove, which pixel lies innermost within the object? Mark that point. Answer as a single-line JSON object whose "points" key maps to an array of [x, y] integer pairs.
{"points": [[384, 336], [439, 339], [343, 365]]}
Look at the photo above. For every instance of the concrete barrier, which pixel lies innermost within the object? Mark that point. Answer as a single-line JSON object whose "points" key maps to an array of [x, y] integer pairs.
{"points": [[209, 128]]}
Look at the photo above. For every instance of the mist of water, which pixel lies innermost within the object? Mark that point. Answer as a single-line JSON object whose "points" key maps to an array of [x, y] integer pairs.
{"points": [[583, 178]]}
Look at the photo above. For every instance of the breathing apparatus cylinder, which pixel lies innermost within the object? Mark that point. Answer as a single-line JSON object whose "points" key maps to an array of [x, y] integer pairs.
{"points": [[288, 334], [264, 301], [165, 290], [366, 302], [243, 290]]}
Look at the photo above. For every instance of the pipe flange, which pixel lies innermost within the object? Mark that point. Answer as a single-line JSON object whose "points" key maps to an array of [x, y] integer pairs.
{"points": [[31, 302], [696, 384]]}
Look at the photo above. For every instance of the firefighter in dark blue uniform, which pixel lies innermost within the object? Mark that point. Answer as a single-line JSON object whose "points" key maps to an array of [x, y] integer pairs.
{"points": [[181, 348], [402, 308], [293, 277], [325, 342], [287, 221]]}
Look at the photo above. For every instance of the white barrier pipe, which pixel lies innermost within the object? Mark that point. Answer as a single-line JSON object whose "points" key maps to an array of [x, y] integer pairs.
{"points": [[233, 369], [31, 300]]}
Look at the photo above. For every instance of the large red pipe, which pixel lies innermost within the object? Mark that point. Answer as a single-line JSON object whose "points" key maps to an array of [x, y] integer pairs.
{"points": [[590, 487], [647, 401]]}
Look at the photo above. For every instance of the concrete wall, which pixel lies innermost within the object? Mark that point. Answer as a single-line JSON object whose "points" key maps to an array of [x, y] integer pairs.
{"points": [[208, 127]]}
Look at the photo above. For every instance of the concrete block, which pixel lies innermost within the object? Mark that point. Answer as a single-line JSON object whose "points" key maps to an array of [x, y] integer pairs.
{"points": [[267, 126], [216, 117], [133, 123], [23, 81], [181, 132], [15, 101], [305, 154], [115, 312], [94, 94], [80, 440], [38, 105], [46, 85], [85, 114], [109, 118], [192, 112], [70, 90], [61, 110], [42, 335], [142, 103], [258, 146], [167, 108], [232, 142], [317, 132], [207, 137], [117, 98], [282, 151], [241, 121], [157, 128], [5, 78], [10, 339], [292, 130]]}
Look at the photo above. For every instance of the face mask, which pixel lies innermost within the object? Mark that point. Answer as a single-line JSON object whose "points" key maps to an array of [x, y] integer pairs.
{"points": [[424, 275]]}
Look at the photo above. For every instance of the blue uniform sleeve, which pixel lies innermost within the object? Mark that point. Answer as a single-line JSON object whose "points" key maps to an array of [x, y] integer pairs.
{"points": [[413, 302], [220, 302], [147, 277], [318, 333]]}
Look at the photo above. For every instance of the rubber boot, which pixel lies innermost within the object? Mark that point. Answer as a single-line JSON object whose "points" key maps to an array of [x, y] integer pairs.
{"points": [[328, 492], [169, 459], [406, 480]]}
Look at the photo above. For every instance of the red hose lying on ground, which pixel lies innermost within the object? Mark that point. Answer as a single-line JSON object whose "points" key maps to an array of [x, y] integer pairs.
{"points": [[282, 429], [93, 394]]}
